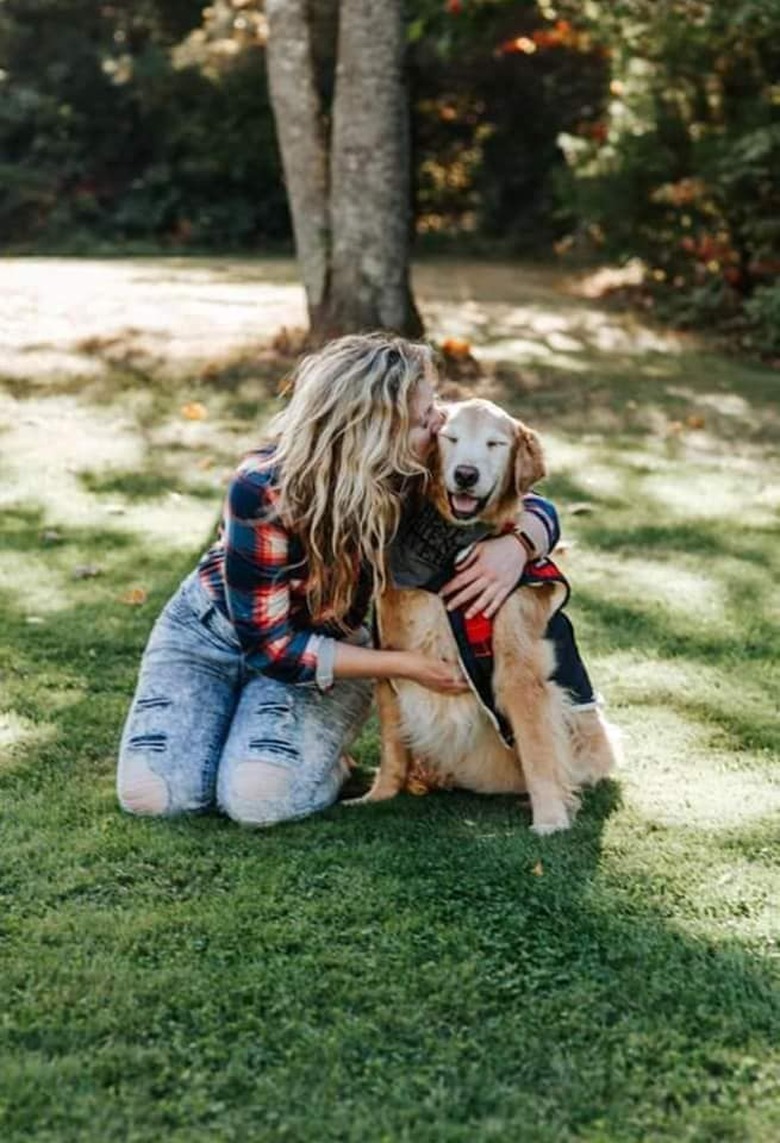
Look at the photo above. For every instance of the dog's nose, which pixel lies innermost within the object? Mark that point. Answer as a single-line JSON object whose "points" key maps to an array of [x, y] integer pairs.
{"points": [[466, 476]]}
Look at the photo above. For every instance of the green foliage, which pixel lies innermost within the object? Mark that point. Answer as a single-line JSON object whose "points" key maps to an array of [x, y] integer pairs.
{"points": [[763, 314], [687, 175], [487, 120], [108, 137]]}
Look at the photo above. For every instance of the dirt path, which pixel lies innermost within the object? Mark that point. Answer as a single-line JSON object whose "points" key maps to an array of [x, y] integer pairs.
{"points": [[189, 310]]}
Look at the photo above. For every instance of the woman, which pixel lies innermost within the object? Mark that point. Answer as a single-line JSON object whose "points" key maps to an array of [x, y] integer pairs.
{"points": [[257, 673]]}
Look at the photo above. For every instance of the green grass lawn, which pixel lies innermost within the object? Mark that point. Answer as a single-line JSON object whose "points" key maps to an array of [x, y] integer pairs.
{"points": [[426, 969]]}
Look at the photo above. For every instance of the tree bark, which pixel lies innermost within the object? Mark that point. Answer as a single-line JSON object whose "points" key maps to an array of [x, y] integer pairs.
{"points": [[350, 195], [370, 192], [302, 140]]}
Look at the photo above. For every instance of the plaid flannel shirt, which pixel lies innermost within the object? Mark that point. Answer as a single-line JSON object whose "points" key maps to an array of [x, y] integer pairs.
{"points": [[256, 574]]}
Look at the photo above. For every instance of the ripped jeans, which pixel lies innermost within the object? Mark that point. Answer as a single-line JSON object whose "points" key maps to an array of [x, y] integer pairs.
{"points": [[204, 731]]}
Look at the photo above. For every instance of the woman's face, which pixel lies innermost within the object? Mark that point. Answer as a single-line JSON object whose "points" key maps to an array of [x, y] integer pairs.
{"points": [[425, 419]]}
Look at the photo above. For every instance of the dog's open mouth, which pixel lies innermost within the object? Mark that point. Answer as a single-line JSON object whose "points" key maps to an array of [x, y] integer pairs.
{"points": [[463, 506]]}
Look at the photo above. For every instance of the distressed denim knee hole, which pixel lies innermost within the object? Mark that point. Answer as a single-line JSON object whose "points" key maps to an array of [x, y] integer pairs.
{"points": [[259, 793], [140, 790]]}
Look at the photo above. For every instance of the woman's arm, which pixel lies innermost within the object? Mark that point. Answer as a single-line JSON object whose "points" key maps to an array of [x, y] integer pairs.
{"points": [[257, 574], [493, 567], [352, 662]]}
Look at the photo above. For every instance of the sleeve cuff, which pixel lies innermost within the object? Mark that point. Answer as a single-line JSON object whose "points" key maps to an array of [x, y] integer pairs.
{"points": [[326, 658]]}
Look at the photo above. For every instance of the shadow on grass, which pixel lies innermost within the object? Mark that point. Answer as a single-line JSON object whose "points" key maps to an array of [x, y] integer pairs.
{"points": [[148, 483], [421, 969], [426, 968], [242, 382]]}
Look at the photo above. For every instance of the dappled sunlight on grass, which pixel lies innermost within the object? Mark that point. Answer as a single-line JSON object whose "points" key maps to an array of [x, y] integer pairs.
{"points": [[678, 487], [686, 684], [18, 734], [47, 440], [711, 494], [84, 465], [657, 583], [566, 338], [739, 896], [43, 589], [708, 878], [530, 351], [679, 774]]}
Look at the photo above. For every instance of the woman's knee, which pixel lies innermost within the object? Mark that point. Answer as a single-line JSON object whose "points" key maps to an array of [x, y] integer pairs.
{"points": [[259, 793], [141, 790]]}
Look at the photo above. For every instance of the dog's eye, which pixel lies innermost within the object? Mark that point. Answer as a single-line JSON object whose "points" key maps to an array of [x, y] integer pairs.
{"points": [[496, 444], [452, 440]]}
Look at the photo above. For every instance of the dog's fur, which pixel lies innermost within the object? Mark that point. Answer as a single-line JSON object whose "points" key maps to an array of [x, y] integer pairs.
{"points": [[451, 737]]}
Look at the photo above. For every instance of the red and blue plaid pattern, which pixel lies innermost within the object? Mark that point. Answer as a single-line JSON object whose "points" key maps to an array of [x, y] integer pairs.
{"points": [[474, 637], [256, 573]]}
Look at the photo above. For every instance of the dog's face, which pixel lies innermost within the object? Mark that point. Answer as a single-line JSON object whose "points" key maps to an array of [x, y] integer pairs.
{"points": [[485, 461]]}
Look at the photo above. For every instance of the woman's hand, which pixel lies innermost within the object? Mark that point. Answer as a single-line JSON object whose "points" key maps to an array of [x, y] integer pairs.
{"points": [[486, 576], [435, 674]]}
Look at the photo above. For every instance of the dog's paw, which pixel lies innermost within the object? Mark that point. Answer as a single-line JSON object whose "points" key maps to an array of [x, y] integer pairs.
{"points": [[551, 822], [368, 797], [542, 829]]}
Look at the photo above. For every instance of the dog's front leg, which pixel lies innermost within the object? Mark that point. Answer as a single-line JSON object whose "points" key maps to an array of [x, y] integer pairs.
{"points": [[534, 708], [396, 758]]}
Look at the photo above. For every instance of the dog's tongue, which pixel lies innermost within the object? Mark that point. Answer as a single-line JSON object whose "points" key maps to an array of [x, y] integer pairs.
{"points": [[464, 503]]}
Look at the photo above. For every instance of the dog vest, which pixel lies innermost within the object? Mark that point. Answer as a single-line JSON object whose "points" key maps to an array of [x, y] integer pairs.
{"points": [[424, 555], [474, 638]]}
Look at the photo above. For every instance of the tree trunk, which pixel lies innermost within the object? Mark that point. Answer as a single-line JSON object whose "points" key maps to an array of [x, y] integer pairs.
{"points": [[352, 229], [369, 199], [302, 139]]}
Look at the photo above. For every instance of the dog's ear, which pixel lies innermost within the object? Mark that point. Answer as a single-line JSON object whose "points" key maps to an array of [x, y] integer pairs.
{"points": [[529, 458]]}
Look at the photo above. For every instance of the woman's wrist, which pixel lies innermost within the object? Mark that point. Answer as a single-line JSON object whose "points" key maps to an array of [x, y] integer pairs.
{"points": [[525, 542]]}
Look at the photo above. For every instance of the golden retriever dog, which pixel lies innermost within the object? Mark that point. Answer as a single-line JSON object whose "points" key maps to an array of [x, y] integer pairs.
{"points": [[484, 462]]}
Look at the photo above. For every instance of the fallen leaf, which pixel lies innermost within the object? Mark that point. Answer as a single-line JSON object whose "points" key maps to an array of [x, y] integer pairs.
{"points": [[205, 463], [194, 411], [695, 421], [134, 597], [538, 870], [416, 786], [456, 347]]}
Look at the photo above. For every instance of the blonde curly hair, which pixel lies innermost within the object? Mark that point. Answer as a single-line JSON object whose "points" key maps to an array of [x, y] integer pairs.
{"points": [[344, 458]]}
